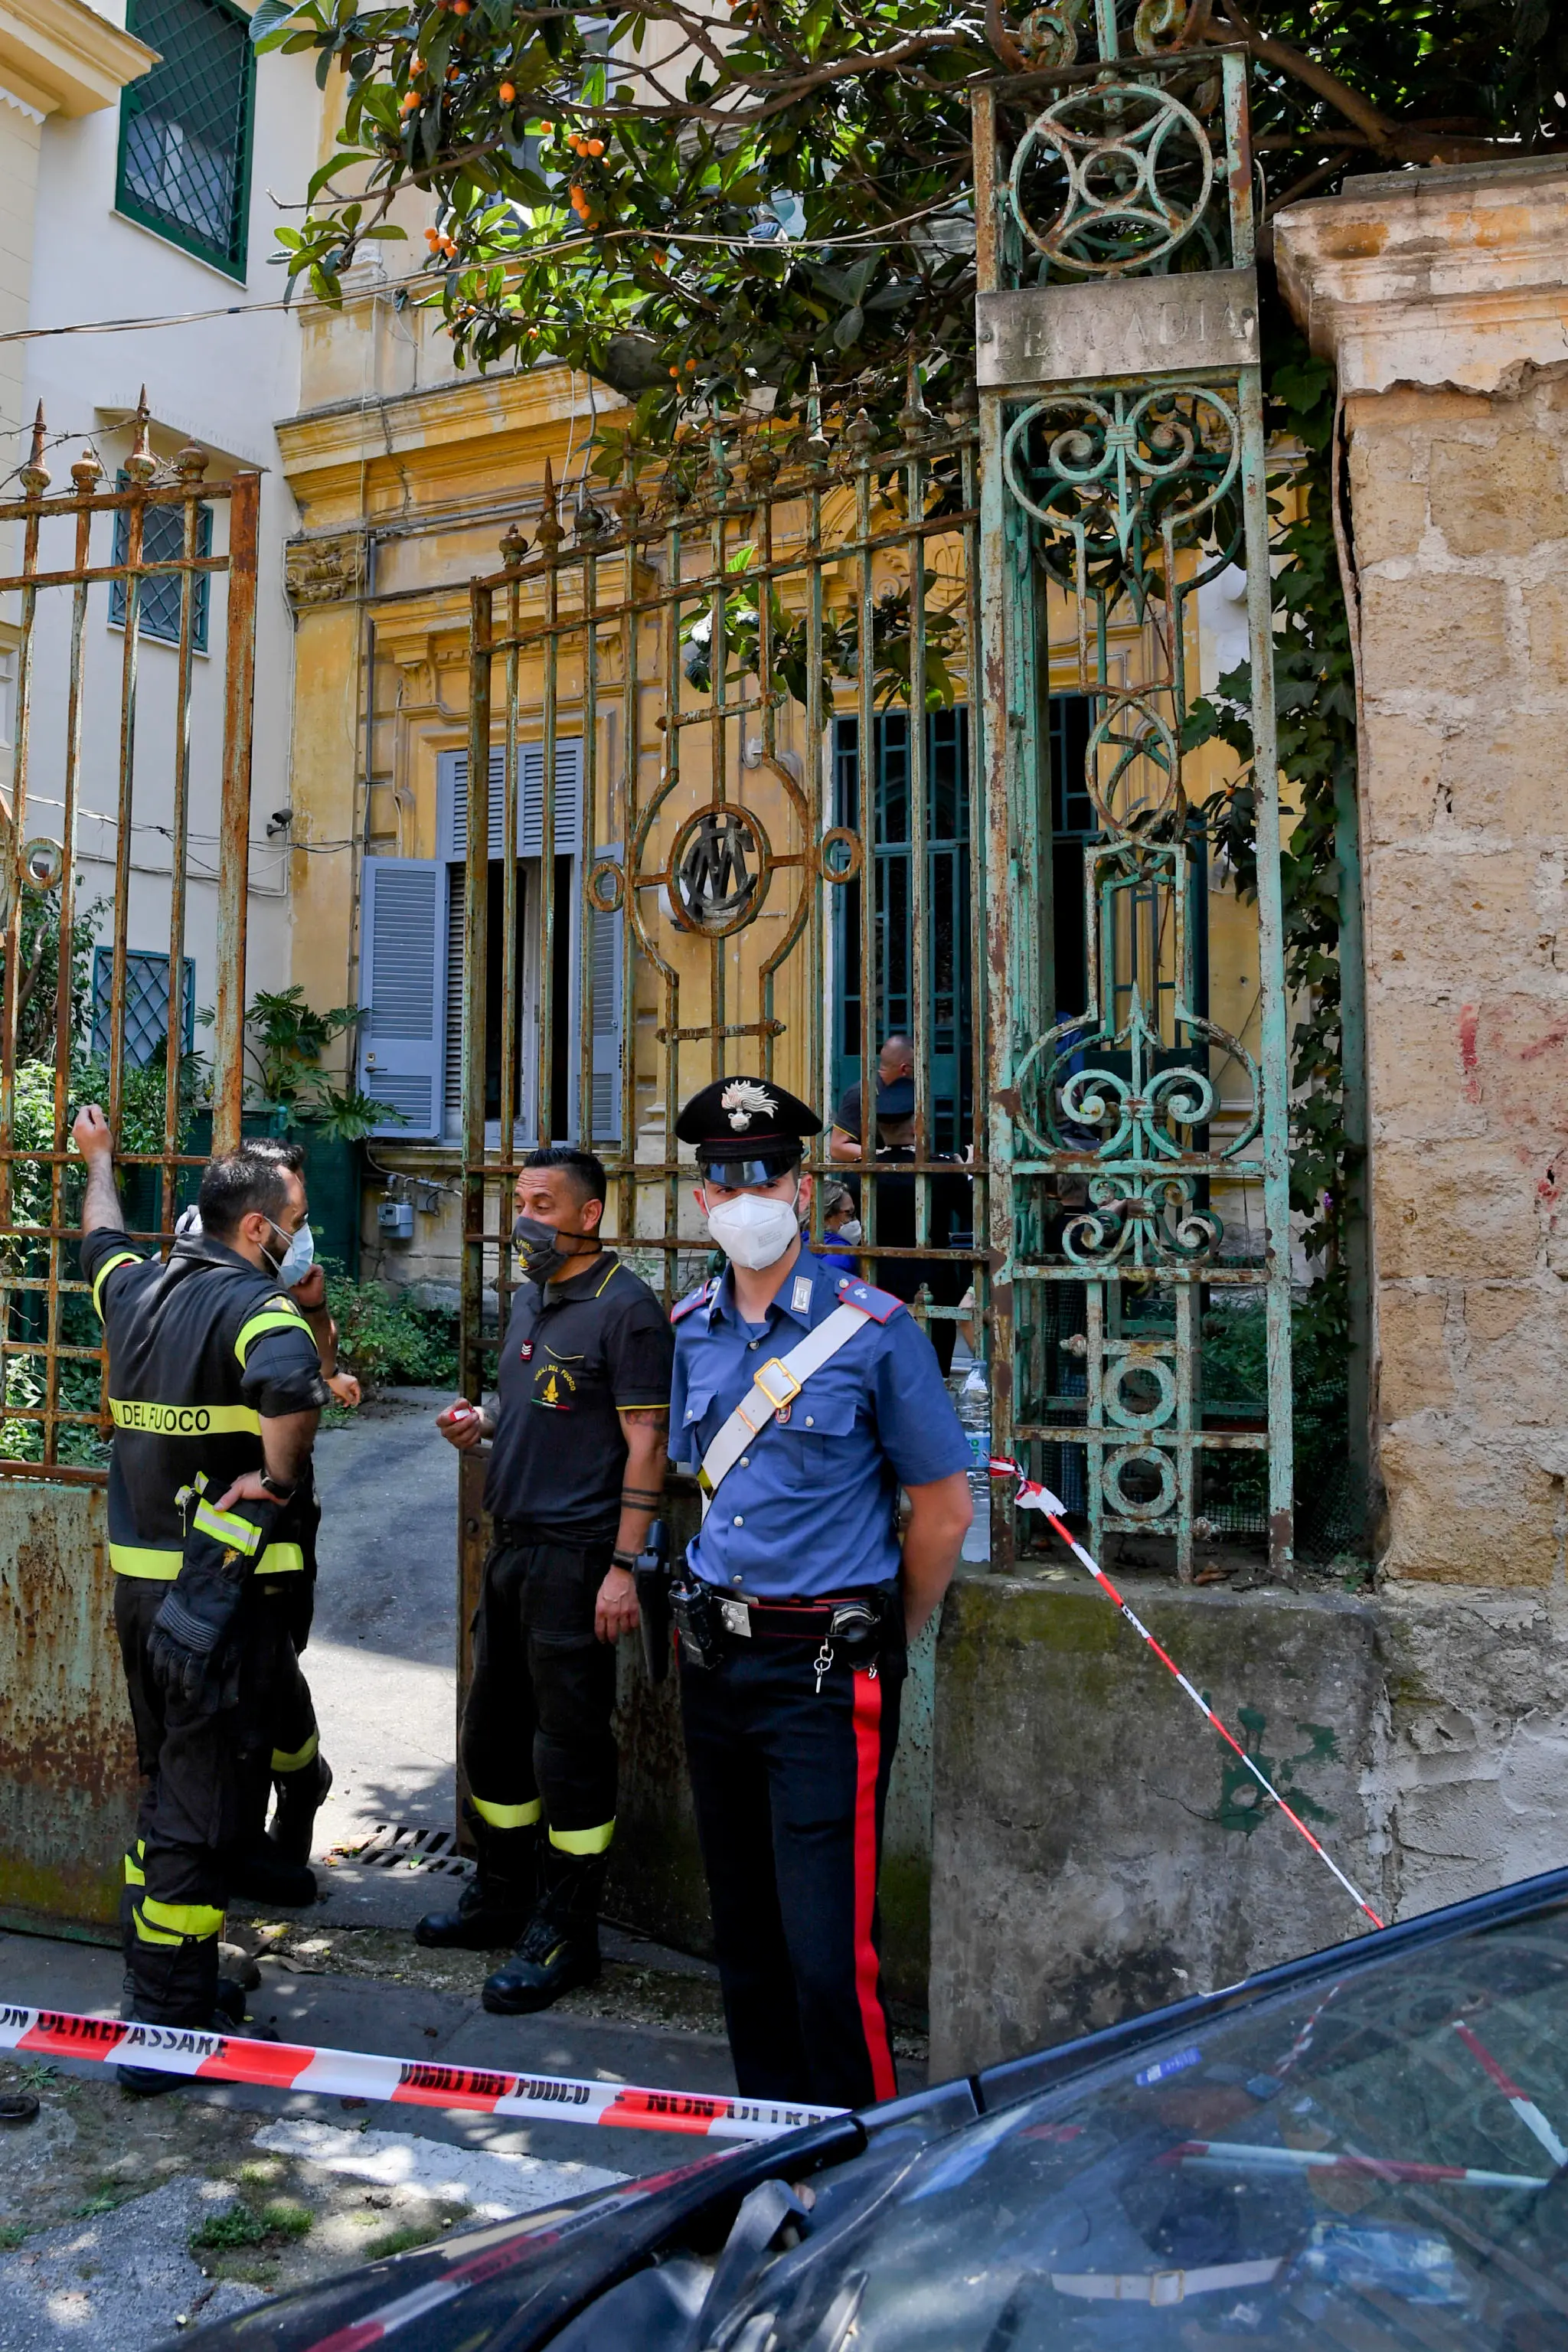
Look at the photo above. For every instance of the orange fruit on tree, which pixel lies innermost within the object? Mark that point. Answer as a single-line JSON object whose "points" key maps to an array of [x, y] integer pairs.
{"points": [[508, 94]]}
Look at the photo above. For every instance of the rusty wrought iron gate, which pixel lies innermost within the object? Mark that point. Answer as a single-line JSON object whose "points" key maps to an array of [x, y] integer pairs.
{"points": [[1122, 464], [703, 701], [104, 760]]}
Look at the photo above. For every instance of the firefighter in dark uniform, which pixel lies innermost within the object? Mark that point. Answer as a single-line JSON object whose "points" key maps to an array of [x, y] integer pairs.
{"points": [[301, 1776], [216, 1388], [805, 1400], [579, 1437]]}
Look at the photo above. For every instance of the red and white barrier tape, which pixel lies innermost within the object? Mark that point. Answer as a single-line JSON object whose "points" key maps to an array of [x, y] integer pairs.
{"points": [[1241, 2155], [1032, 1496], [417, 2082], [1523, 2105]]}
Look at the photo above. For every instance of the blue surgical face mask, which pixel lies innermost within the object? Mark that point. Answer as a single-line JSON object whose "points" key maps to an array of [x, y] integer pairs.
{"points": [[297, 1257]]}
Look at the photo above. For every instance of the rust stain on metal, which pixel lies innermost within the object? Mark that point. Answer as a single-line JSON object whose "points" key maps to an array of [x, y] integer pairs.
{"points": [[67, 1766]]}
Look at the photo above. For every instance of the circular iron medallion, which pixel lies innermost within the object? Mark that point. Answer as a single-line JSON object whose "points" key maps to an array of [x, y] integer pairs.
{"points": [[718, 869]]}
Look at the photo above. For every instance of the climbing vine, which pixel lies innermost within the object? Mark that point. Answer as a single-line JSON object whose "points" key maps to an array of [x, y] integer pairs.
{"points": [[1314, 681]]}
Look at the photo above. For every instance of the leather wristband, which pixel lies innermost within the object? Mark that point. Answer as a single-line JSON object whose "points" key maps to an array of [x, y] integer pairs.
{"points": [[626, 1560]]}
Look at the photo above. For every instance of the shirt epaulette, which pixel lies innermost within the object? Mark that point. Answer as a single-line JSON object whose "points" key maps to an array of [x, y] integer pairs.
{"points": [[684, 1307], [877, 1304]]}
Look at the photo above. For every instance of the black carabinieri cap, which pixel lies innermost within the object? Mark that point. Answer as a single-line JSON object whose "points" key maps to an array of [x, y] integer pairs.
{"points": [[746, 1130]]}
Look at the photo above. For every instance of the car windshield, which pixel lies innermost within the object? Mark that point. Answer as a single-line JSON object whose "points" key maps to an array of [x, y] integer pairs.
{"points": [[1371, 2163]]}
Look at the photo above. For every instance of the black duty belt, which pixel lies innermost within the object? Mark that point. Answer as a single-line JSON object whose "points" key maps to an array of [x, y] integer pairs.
{"points": [[519, 1535], [792, 1621]]}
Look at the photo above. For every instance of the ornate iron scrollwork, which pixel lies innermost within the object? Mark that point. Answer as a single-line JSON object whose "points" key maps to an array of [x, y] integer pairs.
{"points": [[1130, 461]]}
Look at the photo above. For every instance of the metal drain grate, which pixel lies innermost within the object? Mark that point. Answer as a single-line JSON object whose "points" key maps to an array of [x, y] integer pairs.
{"points": [[393, 1845]]}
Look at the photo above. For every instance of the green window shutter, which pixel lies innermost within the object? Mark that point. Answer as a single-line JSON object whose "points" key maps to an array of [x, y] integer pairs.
{"points": [[185, 129]]}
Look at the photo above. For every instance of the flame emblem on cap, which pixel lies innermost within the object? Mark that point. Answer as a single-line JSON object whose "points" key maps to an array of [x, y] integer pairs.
{"points": [[744, 1100]]}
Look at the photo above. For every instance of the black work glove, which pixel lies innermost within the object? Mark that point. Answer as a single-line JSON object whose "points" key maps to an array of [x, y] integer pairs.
{"points": [[191, 1650]]}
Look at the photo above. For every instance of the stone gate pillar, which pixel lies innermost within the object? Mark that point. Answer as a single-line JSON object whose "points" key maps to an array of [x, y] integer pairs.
{"points": [[1441, 296]]}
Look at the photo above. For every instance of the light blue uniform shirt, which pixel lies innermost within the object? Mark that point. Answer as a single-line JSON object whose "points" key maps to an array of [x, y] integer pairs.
{"points": [[809, 1508]]}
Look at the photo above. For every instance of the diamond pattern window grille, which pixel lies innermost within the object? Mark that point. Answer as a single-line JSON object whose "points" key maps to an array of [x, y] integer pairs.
{"points": [[146, 1004], [184, 129], [162, 542]]}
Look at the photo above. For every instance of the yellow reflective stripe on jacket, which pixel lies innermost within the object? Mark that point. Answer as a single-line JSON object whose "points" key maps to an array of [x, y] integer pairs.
{"points": [[134, 1873], [184, 1419], [275, 1317], [508, 1817], [123, 1258], [137, 1559], [228, 1528], [583, 1840], [179, 1919], [300, 1758]]}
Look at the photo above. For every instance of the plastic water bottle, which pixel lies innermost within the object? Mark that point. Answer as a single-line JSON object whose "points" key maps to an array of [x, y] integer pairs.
{"points": [[974, 1413]]}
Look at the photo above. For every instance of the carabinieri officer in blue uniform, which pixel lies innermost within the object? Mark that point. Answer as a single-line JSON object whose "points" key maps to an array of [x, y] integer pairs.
{"points": [[805, 1400]]}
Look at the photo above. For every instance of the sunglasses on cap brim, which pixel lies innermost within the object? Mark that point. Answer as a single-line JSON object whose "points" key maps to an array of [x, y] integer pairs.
{"points": [[735, 1174]]}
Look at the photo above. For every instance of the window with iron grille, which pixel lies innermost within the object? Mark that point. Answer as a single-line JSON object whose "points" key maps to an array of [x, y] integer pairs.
{"points": [[146, 1004], [162, 542], [184, 129]]}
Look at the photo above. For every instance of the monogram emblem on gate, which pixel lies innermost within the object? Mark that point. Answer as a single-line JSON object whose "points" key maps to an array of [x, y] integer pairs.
{"points": [[720, 869]]}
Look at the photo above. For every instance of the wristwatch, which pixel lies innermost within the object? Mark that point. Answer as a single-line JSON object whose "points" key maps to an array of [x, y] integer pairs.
{"points": [[626, 1560], [278, 1490]]}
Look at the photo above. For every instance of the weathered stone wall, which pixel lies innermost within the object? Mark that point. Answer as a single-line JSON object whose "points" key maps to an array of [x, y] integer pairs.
{"points": [[1461, 525], [1096, 1849], [1443, 298]]}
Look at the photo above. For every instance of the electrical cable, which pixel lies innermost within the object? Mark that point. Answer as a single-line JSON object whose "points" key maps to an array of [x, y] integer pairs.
{"points": [[587, 247]]}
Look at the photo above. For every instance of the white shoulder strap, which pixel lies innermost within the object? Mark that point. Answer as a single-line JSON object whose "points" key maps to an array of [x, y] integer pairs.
{"points": [[776, 1384]]}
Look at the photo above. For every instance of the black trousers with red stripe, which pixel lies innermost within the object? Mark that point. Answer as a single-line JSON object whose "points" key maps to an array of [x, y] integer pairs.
{"points": [[790, 1786]]}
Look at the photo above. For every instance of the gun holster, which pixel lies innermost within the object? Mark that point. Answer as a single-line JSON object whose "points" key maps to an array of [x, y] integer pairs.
{"points": [[695, 1608], [651, 1576]]}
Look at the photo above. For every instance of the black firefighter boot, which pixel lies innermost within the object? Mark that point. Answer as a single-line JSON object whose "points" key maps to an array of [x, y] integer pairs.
{"points": [[559, 1945], [230, 1997], [494, 1907], [177, 1984], [301, 1796]]}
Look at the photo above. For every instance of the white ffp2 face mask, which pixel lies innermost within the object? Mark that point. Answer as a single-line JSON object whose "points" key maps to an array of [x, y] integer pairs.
{"points": [[851, 1232], [754, 1231]]}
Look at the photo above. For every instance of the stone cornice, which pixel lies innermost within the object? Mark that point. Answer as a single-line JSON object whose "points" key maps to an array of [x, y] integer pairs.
{"points": [[438, 421], [1449, 275], [63, 58]]}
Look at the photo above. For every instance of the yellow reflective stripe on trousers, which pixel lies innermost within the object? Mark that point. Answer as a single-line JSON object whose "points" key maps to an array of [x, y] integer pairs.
{"points": [[184, 1419], [508, 1817], [134, 1873], [182, 1919], [228, 1528], [123, 1258], [163, 1566], [300, 1757], [583, 1840], [276, 1317]]}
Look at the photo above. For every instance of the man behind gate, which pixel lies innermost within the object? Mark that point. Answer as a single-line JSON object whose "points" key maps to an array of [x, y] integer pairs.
{"points": [[215, 1389]]}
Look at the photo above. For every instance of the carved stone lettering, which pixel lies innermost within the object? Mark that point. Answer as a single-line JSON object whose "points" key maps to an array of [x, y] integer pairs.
{"points": [[1129, 327]]}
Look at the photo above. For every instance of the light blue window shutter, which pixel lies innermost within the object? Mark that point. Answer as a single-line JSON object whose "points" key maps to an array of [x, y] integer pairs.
{"points": [[402, 957], [606, 956], [452, 800]]}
